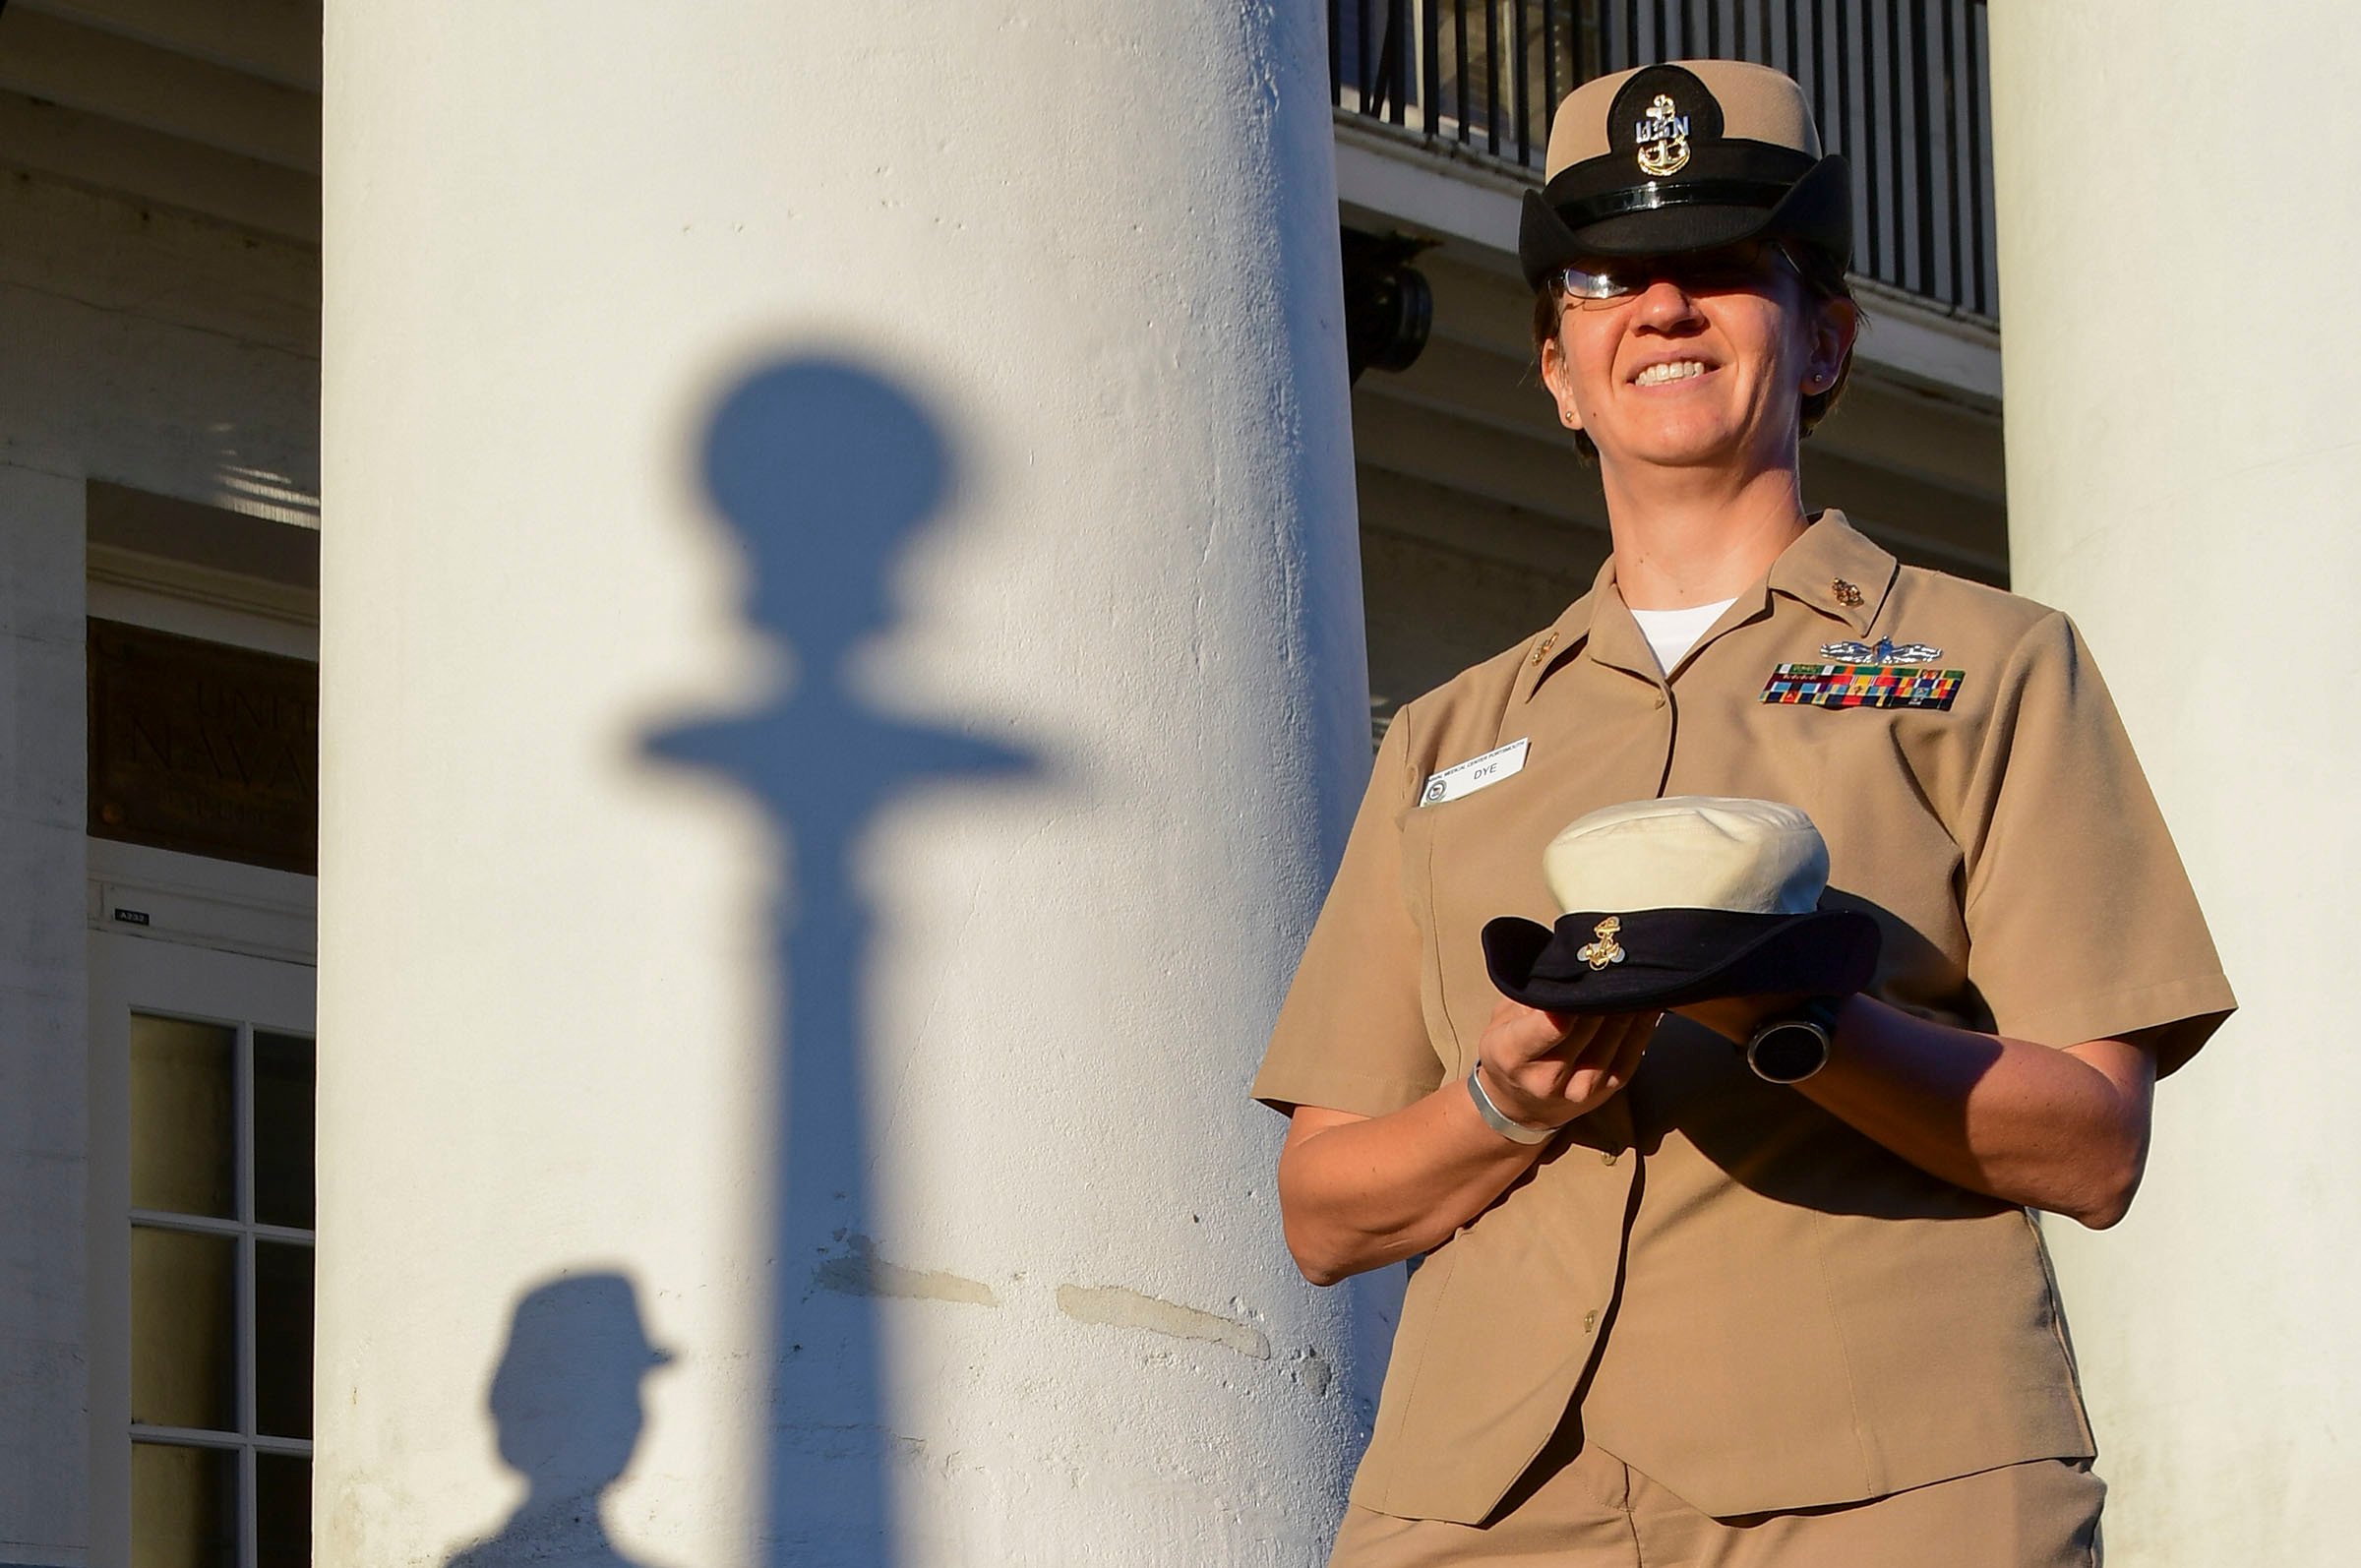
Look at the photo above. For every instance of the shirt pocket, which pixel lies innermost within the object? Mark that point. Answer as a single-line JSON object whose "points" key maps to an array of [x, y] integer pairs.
{"points": [[1464, 862], [1417, 888]]}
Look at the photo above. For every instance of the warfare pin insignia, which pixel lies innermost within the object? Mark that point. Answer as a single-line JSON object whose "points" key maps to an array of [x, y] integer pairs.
{"points": [[1886, 651]]}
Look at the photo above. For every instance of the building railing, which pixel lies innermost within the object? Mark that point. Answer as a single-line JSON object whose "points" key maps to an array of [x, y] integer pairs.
{"points": [[1901, 87]]}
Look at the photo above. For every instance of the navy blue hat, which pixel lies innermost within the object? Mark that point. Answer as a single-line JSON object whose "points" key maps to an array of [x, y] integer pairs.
{"points": [[1675, 956], [1681, 899]]}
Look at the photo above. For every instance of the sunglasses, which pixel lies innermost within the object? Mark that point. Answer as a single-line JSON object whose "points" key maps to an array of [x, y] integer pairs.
{"points": [[1595, 283]]}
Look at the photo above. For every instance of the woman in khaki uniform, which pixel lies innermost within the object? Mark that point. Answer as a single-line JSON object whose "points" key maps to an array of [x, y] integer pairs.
{"points": [[1671, 1312]]}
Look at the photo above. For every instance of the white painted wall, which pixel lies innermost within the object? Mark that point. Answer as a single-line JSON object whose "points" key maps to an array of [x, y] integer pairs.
{"points": [[162, 353], [2182, 373], [1026, 1297], [170, 354], [44, 1503]]}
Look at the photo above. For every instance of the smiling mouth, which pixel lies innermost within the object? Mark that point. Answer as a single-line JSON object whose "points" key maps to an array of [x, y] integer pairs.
{"points": [[1671, 370]]}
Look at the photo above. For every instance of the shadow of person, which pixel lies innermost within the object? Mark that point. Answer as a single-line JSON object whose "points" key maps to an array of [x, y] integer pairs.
{"points": [[827, 472], [565, 1402]]}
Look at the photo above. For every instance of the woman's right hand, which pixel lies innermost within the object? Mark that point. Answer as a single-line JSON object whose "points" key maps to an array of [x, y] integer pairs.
{"points": [[1357, 1193], [1546, 1068]]}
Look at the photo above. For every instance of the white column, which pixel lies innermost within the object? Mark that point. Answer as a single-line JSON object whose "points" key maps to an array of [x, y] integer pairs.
{"points": [[44, 1075], [2182, 370], [842, 680]]}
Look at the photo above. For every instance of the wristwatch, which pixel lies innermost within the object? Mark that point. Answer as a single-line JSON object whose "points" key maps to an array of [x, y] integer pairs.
{"points": [[1792, 1046]]}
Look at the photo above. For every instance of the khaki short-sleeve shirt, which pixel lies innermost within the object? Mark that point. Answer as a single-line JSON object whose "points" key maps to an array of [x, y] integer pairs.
{"points": [[1754, 1304]]}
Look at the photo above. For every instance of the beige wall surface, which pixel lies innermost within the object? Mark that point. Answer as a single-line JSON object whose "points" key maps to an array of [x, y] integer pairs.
{"points": [[834, 726], [2176, 232]]}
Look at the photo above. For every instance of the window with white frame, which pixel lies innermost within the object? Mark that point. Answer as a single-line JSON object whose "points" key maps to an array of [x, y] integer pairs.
{"points": [[221, 1236]]}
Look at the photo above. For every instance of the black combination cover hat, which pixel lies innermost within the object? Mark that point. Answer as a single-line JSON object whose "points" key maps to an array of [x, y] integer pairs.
{"points": [[1688, 155], [1688, 898]]}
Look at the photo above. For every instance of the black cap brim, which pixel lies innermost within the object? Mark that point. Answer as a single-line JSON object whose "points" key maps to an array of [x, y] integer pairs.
{"points": [[1816, 212], [1675, 956]]}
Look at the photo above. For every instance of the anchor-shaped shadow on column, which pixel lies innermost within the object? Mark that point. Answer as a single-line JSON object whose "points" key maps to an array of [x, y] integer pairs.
{"points": [[827, 472]]}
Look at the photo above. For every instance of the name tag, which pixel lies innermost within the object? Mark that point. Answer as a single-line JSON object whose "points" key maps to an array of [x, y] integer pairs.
{"points": [[1475, 773]]}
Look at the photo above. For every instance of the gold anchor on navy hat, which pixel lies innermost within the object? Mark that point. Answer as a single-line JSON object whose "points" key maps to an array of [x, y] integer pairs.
{"points": [[1605, 950]]}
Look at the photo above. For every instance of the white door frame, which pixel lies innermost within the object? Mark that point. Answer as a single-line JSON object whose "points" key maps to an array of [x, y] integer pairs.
{"points": [[160, 975]]}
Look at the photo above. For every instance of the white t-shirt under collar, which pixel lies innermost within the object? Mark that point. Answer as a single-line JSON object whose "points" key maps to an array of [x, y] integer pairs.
{"points": [[1672, 633]]}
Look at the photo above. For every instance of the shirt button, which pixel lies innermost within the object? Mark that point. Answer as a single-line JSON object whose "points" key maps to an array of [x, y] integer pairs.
{"points": [[1608, 1158], [1590, 1320]]}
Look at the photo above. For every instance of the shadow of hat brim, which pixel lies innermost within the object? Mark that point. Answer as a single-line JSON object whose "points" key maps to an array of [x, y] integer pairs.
{"points": [[1675, 956]]}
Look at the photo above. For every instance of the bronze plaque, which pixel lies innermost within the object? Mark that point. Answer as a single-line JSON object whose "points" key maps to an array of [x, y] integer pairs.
{"points": [[204, 747]]}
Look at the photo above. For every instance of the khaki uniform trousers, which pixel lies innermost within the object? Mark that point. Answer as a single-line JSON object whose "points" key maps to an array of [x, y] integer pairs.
{"points": [[1596, 1512]]}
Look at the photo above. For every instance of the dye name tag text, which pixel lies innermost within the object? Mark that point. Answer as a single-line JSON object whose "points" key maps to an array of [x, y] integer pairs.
{"points": [[1476, 772]]}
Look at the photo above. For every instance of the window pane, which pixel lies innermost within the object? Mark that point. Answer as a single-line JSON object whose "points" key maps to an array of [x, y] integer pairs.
{"points": [[282, 1130], [283, 1511], [283, 1339], [183, 1328], [184, 1508], [182, 1134]]}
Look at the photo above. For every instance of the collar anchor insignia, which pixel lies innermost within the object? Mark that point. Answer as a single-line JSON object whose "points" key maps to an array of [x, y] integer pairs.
{"points": [[1885, 651], [1605, 950]]}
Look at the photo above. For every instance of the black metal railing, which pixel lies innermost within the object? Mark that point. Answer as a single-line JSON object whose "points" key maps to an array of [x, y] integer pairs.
{"points": [[1901, 87]]}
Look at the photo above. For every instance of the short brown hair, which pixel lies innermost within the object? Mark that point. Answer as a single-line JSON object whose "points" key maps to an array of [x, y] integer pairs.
{"points": [[1823, 280]]}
